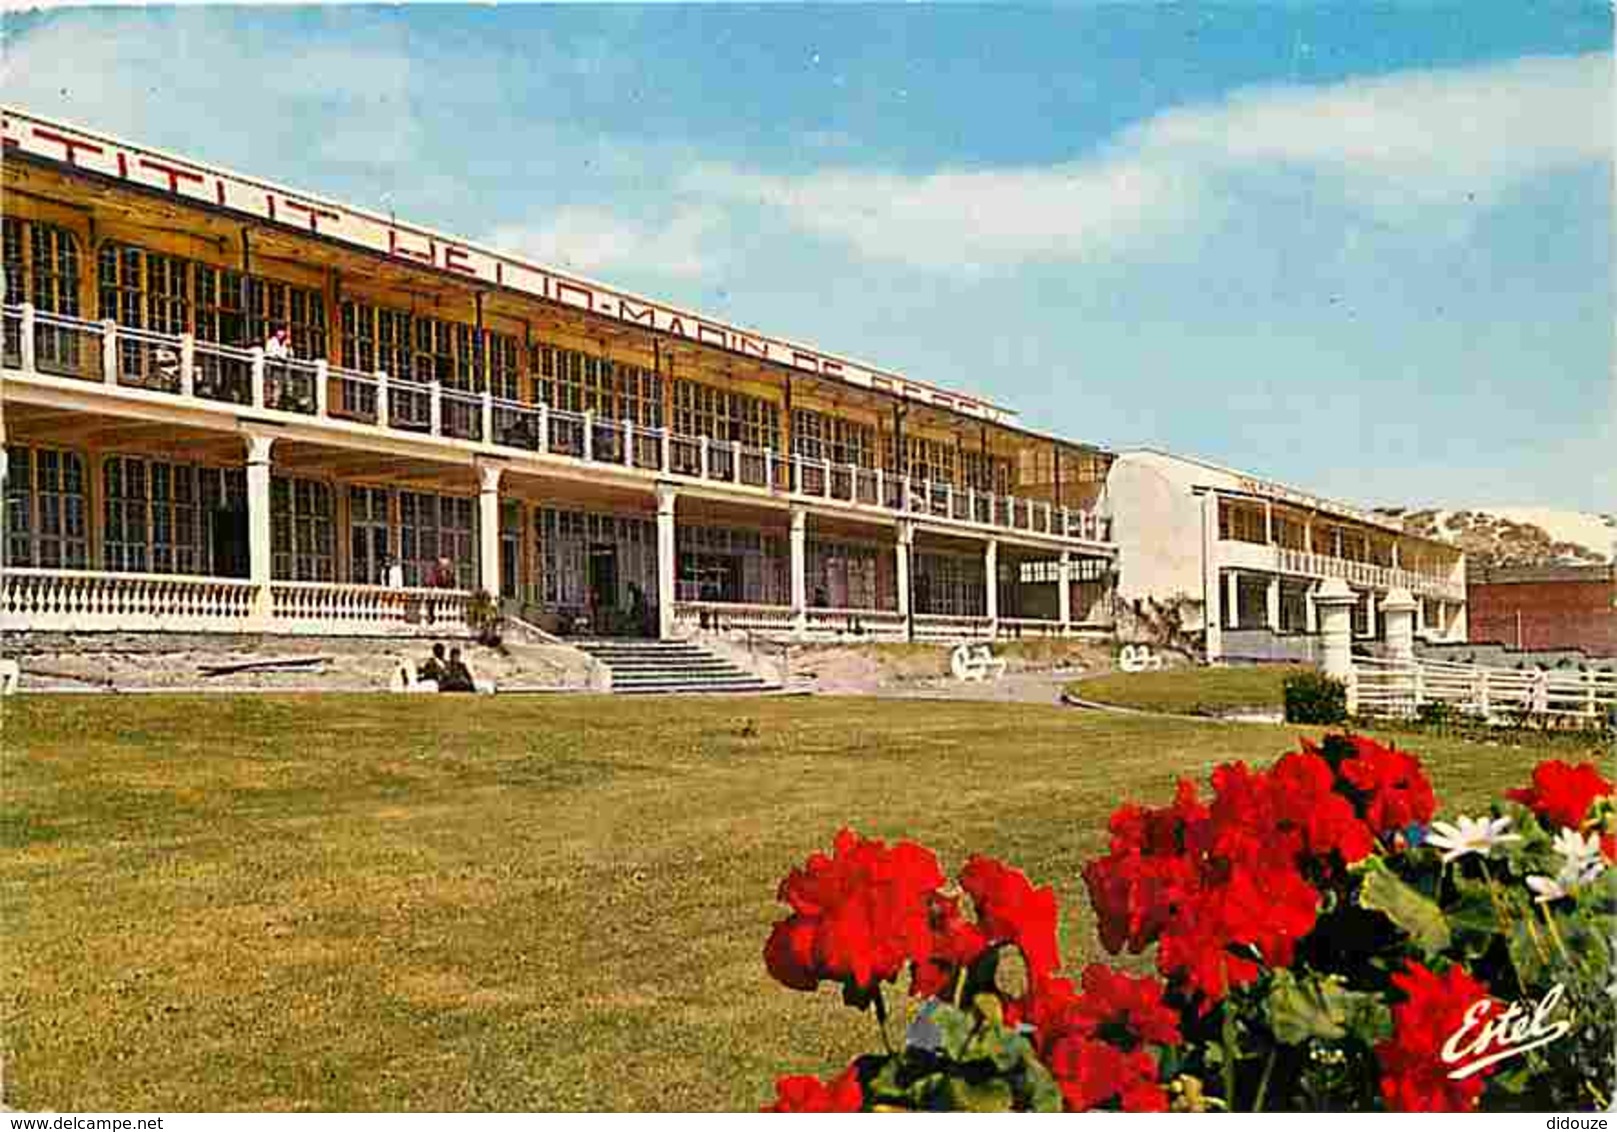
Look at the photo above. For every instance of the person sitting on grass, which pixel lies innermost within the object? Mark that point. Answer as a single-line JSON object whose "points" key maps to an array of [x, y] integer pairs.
{"points": [[457, 677], [433, 667]]}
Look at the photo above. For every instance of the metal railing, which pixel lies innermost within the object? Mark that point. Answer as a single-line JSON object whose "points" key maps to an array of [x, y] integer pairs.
{"points": [[180, 365]]}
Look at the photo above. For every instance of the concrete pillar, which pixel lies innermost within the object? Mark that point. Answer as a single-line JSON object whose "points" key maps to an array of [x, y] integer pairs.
{"points": [[488, 530], [1064, 594], [1370, 613], [1399, 609], [1232, 583], [1311, 611], [1271, 604], [799, 569], [991, 584], [906, 542], [665, 561], [258, 524], [1268, 523], [1212, 595], [1335, 602]]}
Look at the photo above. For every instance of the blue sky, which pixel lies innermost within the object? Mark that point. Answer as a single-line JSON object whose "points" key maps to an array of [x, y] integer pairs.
{"points": [[1364, 249]]}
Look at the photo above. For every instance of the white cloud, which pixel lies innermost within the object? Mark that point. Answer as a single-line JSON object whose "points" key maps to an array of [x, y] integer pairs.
{"points": [[1395, 144], [592, 240]]}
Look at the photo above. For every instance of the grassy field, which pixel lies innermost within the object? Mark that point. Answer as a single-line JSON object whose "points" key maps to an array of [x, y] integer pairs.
{"points": [[1192, 691], [380, 902]]}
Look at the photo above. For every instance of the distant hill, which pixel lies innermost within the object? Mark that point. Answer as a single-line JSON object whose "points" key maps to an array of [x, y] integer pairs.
{"points": [[1516, 536]]}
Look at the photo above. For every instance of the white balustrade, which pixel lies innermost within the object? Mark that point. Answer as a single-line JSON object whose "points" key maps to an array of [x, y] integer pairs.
{"points": [[91, 600], [342, 609]]}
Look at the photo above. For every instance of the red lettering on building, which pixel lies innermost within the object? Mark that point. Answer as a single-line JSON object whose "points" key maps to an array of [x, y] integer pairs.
{"points": [[754, 346], [174, 173], [647, 315], [455, 260], [499, 274], [269, 199], [805, 361], [603, 304], [70, 146], [676, 325], [315, 214], [827, 366], [219, 190], [396, 248], [563, 286], [123, 165], [711, 335]]}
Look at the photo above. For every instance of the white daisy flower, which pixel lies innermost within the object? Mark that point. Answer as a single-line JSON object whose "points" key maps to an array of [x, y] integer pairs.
{"points": [[1581, 853], [1545, 889], [1469, 835]]}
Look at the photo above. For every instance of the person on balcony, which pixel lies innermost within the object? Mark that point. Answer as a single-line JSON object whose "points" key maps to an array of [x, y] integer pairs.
{"points": [[442, 576], [277, 353]]}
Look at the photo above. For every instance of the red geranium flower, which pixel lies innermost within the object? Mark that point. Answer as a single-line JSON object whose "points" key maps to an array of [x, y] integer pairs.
{"points": [[1392, 791], [1093, 1073], [810, 1094], [1124, 1009], [1414, 1076], [1011, 910], [956, 943], [858, 915], [1561, 794], [1608, 846]]}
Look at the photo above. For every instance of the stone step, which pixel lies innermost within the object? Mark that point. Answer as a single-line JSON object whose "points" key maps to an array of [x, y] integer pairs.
{"points": [[644, 667]]}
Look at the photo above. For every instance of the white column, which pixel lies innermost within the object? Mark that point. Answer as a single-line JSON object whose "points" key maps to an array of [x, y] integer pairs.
{"points": [[800, 569], [1311, 614], [1212, 595], [487, 429], [488, 530], [1336, 601], [1232, 586], [1370, 613], [991, 584], [906, 542], [322, 386], [1064, 594], [435, 408], [258, 524], [1271, 604], [258, 377], [109, 351], [628, 442], [665, 561], [589, 434], [188, 365], [1399, 609], [25, 338], [1268, 523], [382, 407]]}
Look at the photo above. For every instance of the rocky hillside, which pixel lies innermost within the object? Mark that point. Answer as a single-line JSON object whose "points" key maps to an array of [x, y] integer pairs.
{"points": [[1517, 536]]}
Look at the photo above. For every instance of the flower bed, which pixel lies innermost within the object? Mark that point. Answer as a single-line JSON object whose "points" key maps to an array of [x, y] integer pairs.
{"points": [[1320, 942]]}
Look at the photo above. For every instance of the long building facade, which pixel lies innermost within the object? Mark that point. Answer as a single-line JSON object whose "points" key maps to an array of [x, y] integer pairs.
{"points": [[1243, 557], [445, 419]]}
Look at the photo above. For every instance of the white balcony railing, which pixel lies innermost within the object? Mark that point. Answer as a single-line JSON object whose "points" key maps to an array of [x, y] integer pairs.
{"points": [[181, 366], [1366, 574], [340, 609], [92, 601]]}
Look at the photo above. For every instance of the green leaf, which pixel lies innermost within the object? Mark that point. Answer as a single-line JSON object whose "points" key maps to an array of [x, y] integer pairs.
{"points": [[1308, 1008], [955, 1027], [959, 1095], [1043, 1094], [1417, 915]]}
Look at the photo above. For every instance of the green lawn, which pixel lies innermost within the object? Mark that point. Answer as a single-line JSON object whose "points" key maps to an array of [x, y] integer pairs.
{"points": [[1192, 691], [377, 902]]}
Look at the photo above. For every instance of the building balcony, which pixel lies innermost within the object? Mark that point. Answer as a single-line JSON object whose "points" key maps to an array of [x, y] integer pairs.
{"points": [[1236, 554], [69, 353]]}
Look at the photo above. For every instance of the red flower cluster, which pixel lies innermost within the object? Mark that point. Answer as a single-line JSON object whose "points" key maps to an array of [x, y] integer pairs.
{"points": [[810, 1094], [1414, 1076], [1093, 1041], [1561, 794], [1224, 887], [857, 916], [861, 914], [1390, 791]]}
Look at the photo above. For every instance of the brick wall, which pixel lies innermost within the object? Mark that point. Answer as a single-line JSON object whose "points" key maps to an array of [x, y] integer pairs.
{"points": [[1571, 608]]}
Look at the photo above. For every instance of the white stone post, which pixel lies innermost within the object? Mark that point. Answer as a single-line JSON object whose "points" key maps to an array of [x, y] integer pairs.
{"points": [[25, 338], [435, 411], [628, 443], [1212, 592], [487, 429], [991, 585], [109, 351], [665, 459], [665, 560], [383, 409], [769, 469], [1335, 601], [589, 434], [322, 386], [258, 525], [906, 541], [1232, 585], [1370, 613], [1064, 597], [258, 377], [188, 365], [881, 484], [735, 462], [544, 427], [1311, 613], [799, 570], [704, 456], [488, 529], [1271, 603], [1398, 607]]}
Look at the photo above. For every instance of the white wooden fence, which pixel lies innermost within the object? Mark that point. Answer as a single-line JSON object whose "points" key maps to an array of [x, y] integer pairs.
{"points": [[1402, 687]]}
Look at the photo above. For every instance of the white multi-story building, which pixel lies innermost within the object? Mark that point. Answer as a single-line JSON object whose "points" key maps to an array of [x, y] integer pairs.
{"points": [[1243, 557]]}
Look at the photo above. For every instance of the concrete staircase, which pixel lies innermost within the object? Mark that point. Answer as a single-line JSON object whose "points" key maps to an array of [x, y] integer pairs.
{"points": [[640, 666]]}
